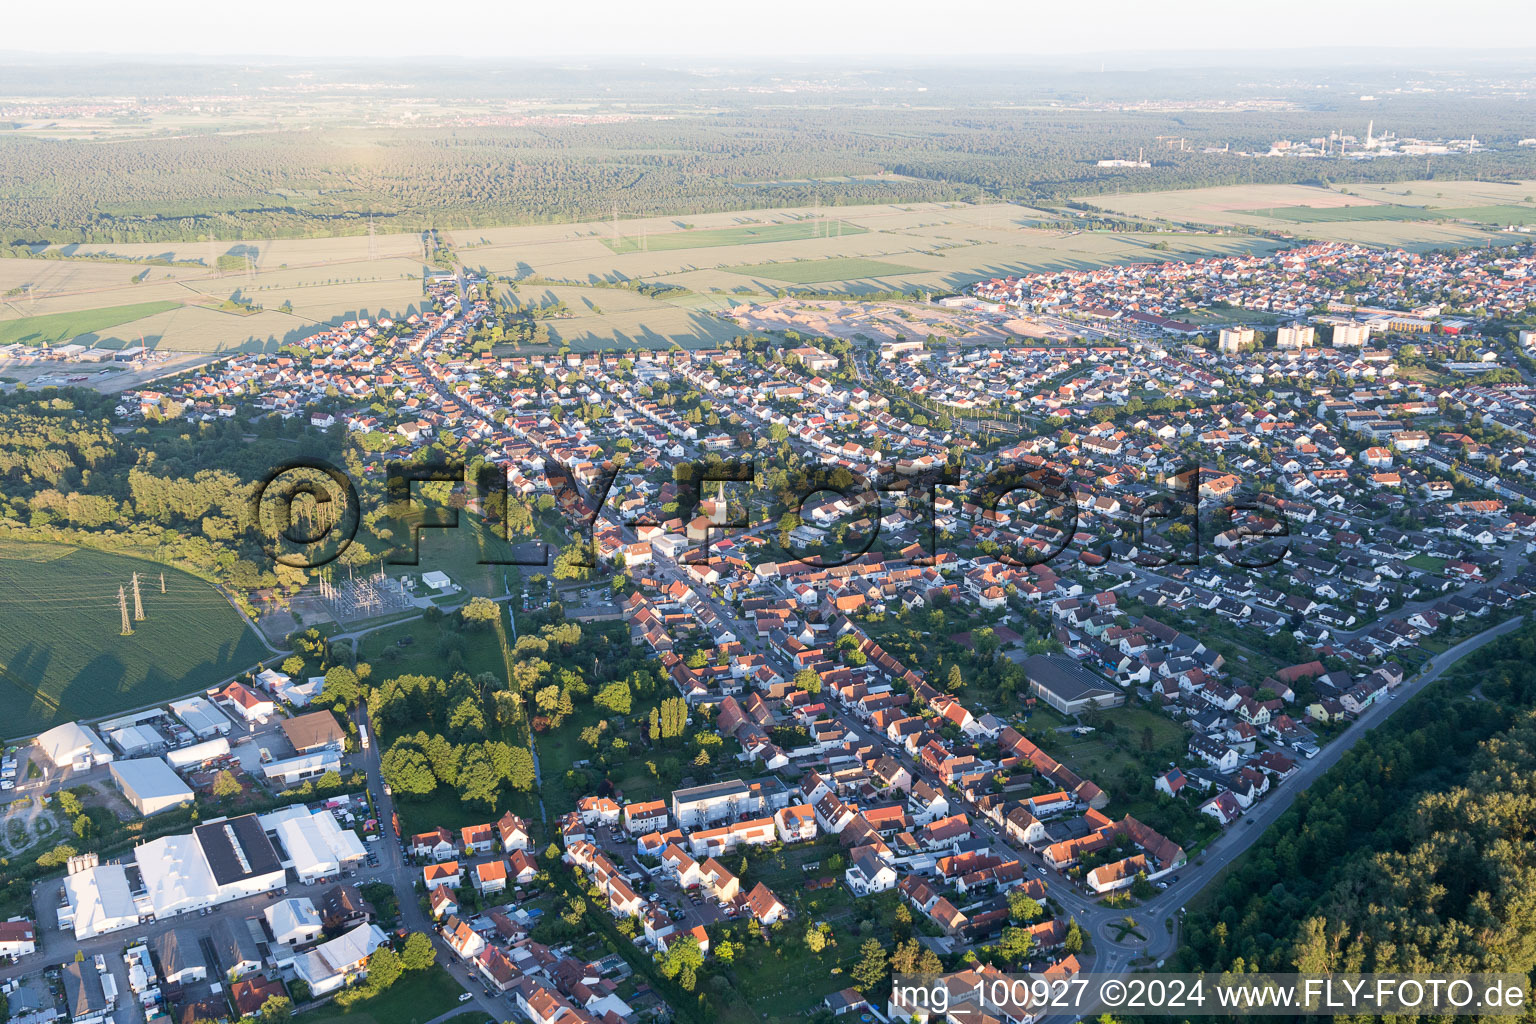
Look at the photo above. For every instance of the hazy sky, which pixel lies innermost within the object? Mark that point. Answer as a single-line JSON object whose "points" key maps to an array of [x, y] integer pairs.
{"points": [[725, 30]]}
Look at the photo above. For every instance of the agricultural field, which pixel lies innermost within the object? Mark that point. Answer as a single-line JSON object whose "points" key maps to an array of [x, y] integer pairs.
{"points": [[1448, 194], [1495, 215], [819, 271], [1335, 214], [714, 261], [61, 655], [1414, 215], [59, 328], [745, 235]]}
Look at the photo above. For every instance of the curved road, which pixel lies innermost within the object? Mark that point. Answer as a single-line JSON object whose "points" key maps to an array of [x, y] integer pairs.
{"points": [[1227, 847]]}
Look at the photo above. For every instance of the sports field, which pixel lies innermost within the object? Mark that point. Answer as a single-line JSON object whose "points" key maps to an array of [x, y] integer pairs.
{"points": [[751, 234], [61, 653], [56, 328], [833, 269]]}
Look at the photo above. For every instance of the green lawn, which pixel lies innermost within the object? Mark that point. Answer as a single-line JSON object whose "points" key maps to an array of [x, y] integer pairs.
{"points": [[837, 268], [416, 998], [472, 555], [53, 328], [1117, 743], [788, 984], [61, 655], [1427, 563], [428, 650], [749, 234]]}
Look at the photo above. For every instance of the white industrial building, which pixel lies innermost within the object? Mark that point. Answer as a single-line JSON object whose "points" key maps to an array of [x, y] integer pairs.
{"points": [[177, 878], [220, 861], [73, 745], [149, 784], [134, 740], [98, 900], [294, 770], [198, 753], [199, 715], [243, 860], [313, 844]]}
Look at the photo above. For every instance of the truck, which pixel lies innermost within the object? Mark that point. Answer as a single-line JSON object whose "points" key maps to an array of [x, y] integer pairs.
{"points": [[362, 736]]}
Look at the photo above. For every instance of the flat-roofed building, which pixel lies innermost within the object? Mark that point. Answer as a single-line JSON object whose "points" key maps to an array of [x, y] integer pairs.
{"points": [[241, 857], [1295, 336], [294, 770], [1351, 335], [149, 784], [718, 801]]}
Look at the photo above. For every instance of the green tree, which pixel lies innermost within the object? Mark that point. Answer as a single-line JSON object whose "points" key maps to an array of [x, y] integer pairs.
{"points": [[384, 968], [276, 1010], [522, 776], [1015, 943], [341, 687], [682, 961], [872, 967], [480, 613], [1023, 908], [616, 697], [226, 786], [417, 954], [956, 681]]}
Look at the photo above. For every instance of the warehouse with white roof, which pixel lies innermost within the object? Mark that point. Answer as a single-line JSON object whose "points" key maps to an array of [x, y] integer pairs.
{"points": [[73, 745], [177, 878], [313, 844], [198, 753], [294, 770], [199, 715], [149, 784], [98, 900], [134, 740]]}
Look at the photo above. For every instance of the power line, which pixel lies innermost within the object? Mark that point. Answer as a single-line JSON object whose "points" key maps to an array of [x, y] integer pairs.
{"points": [[138, 602], [122, 606]]}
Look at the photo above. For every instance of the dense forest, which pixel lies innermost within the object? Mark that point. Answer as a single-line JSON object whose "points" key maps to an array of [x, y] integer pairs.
{"points": [[1416, 852], [679, 149]]}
